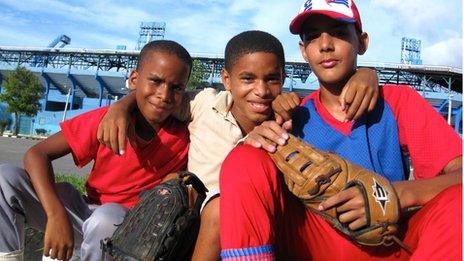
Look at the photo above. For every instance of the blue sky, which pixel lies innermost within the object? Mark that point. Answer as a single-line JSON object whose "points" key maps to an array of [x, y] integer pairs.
{"points": [[204, 26]]}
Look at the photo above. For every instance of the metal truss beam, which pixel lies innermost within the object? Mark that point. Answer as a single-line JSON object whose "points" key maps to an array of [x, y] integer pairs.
{"points": [[433, 78]]}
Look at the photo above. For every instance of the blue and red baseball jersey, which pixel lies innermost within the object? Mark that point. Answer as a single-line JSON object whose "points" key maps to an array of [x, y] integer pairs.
{"points": [[403, 123]]}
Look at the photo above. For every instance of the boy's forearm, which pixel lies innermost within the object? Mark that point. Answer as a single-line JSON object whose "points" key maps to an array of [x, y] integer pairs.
{"points": [[40, 171], [418, 192], [127, 103], [183, 112]]}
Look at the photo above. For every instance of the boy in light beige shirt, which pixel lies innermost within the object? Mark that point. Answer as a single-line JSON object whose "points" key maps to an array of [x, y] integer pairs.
{"points": [[218, 120]]}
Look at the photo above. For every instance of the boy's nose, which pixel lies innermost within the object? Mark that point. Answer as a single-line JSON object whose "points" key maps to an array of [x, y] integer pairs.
{"points": [[261, 88], [326, 42], [164, 93]]}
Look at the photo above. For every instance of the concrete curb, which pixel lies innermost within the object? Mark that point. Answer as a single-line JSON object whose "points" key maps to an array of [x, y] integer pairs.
{"points": [[9, 135]]}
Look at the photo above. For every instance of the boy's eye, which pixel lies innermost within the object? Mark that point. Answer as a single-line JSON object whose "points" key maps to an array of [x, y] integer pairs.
{"points": [[247, 78], [340, 33], [156, 81], [274, 79], [177, 88], [308, 37]]}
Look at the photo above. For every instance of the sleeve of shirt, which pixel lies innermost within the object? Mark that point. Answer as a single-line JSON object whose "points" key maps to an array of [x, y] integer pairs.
{"points": [[202, 100], [81, 134], [193, 103], [424, 134]]}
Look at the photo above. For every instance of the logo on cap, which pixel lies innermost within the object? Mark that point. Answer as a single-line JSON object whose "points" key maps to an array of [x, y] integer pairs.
{"points": [[308, 5], [342, 10], [342, 2]]}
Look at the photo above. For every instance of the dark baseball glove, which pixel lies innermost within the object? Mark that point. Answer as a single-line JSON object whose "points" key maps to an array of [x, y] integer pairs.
{"points": [[313, 176], [163, 225]]}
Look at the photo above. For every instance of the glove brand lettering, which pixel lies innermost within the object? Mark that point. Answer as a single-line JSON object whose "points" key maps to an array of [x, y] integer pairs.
{"points": [[380, 194]]}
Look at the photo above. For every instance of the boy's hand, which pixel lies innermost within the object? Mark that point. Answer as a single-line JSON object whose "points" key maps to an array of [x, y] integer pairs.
{"points": [[170, 176], [283, 106], [360, 94], [267, 135], [59, 238], [113, 128], [350, 206]]}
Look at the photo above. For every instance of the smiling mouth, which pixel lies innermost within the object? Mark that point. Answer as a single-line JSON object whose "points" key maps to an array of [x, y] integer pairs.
{"points": [[259, 107]]}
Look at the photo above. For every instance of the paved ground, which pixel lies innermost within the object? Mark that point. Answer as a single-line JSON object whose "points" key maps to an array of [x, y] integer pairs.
{"points": [[13, 149]]}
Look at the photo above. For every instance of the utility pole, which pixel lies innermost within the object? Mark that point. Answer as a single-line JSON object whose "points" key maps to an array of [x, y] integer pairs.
{"points": [[66, 105]]}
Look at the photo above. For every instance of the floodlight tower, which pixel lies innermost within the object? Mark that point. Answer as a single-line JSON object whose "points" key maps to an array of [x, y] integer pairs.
{"points": [[410, 51], [150, 31], [64, 39]]}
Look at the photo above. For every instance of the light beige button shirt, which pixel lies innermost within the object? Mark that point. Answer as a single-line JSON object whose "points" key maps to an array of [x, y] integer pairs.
{"points": [[214, 132]]}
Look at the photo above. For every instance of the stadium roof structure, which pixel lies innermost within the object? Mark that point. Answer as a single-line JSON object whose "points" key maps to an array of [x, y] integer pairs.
{"points": [[98, 73]]}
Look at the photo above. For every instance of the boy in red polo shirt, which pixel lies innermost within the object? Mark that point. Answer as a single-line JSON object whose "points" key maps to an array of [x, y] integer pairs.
{"points": [[160, 147]]}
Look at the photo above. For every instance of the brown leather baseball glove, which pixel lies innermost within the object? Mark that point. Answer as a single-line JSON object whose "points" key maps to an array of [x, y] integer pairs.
{"points": [[313, 176]]}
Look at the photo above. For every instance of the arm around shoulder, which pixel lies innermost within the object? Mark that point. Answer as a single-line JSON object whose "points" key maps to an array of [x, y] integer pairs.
{"points": [[112, 130]]}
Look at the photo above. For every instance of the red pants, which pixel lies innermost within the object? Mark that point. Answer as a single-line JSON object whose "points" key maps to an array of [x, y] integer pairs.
{"points": [[261, 220]]}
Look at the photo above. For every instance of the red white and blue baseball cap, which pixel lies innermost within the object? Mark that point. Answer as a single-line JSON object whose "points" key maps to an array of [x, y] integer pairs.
{"points": [[342, 10]]}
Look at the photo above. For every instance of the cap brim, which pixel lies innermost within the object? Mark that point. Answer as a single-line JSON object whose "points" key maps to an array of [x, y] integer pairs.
{"points": [[298, 22]]}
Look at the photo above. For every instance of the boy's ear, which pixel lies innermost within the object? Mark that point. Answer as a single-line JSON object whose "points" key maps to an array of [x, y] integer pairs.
{"points": [[225, 76], [303, 51], [363, 43], [133, 77]]}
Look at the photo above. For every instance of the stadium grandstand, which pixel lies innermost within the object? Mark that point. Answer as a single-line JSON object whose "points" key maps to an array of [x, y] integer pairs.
{"points": [[78, 80]]}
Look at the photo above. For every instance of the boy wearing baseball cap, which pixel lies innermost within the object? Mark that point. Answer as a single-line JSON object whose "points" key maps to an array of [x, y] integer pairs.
{"points": [[261, 220]]}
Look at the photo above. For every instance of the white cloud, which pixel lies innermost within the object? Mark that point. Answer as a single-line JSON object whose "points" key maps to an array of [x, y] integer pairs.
{"points": [[205, 26], [101, 14], [448, 52], [438, 24], [272, 16], [203, 33], [426, 19]]}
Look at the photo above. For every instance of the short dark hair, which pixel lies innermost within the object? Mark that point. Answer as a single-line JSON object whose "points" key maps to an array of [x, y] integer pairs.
{"points": [[164, 46], [251, 42]]}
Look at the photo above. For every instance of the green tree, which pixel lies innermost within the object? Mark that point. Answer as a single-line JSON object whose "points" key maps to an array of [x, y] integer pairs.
{"points": [[22, 91], [197, 75]]}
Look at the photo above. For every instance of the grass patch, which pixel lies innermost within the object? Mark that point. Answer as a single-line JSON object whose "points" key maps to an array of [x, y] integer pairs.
{"points": [[77, 181]]}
